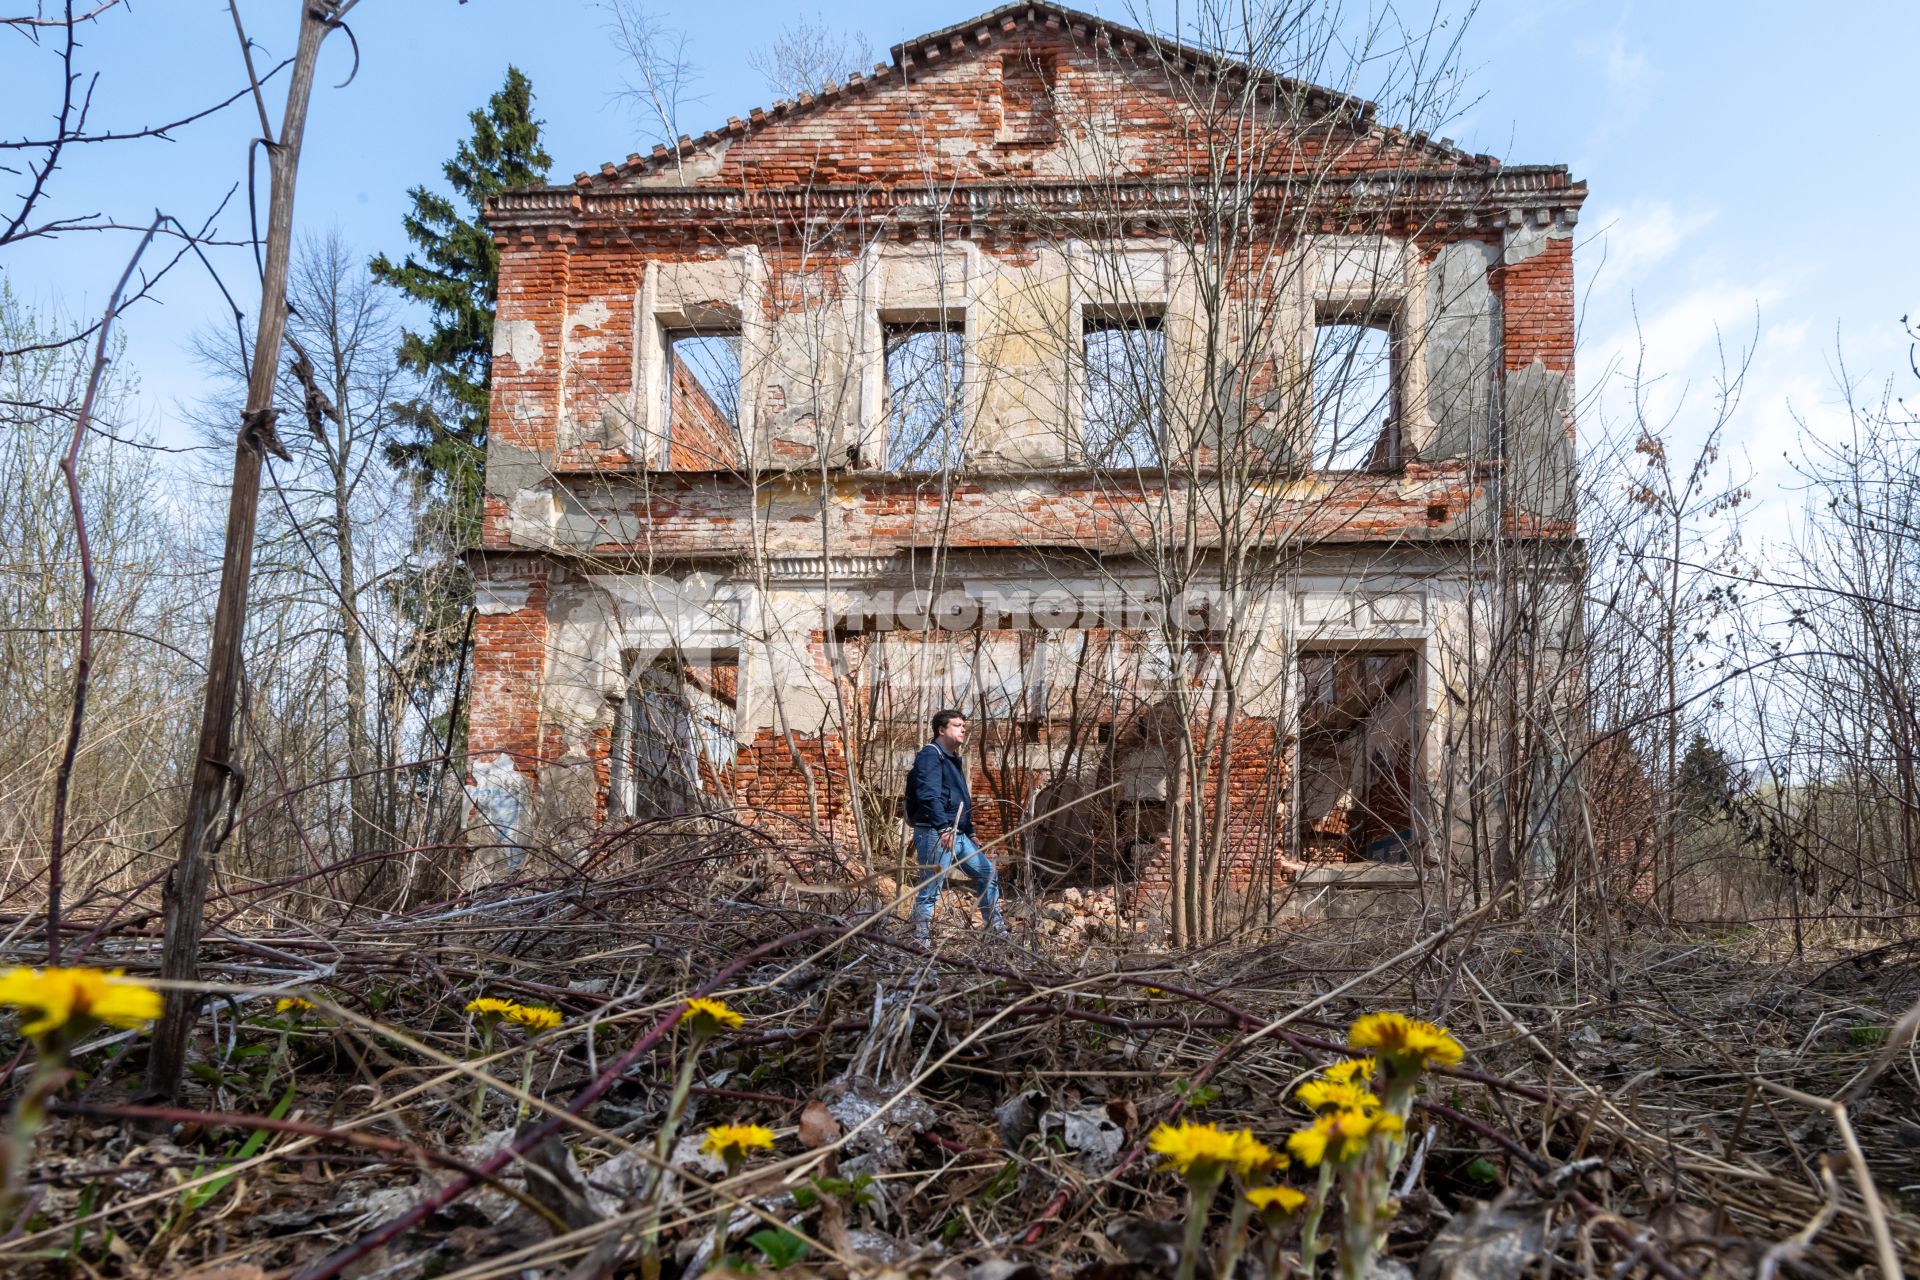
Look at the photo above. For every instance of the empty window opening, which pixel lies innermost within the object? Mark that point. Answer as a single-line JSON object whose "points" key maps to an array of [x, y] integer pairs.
{"points": [[1123, 412], [1358, 716], [673, 735], [1355, 424], [1027, 80], [701, 398], [926, 363], [1070, 757]]}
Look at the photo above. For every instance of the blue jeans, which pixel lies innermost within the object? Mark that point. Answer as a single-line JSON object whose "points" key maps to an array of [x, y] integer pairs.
{"points": [[937, 865]]}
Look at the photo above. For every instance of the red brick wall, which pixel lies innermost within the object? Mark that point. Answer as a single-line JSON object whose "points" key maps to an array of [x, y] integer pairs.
{"points": [[711, 514], [1536, 297], [953, 111], [701, 436], [971, 109], [509, 661], [775, 775]]}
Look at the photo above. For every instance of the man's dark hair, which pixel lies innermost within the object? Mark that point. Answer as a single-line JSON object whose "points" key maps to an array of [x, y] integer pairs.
{"points": [[940, 719]]}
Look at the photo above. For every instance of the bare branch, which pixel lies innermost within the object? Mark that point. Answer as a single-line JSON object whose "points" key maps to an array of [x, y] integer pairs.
{"points": [[808, 55], [659, 70], [89, 587], [72, 19]]}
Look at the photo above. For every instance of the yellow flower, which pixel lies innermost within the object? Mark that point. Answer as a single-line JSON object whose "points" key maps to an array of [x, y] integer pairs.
{"points": [[1186, 1146], [534, 1017], [1350, 1071], [1333, 1095], [1405, 1042], [60, 996], [1279, 1200], [292, 1004], [732, 1142], [709, 1016], [488, 1007], [1340, 1136], [1250, 1154]]}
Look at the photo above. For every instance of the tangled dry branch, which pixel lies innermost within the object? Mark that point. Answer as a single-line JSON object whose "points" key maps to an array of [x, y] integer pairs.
{"points": [[1675, 1108]]}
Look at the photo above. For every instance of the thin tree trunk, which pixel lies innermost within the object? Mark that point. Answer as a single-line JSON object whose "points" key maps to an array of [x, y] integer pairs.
{"points": [[362, 786], [186, 888], [1177, 875], [1670, 841], [1221, 855]]}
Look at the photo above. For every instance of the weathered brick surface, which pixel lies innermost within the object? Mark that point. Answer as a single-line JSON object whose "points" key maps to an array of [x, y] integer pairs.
{"points": [[1537, 305], [993, 99], [509, 661], [1007, 140], [726, 514]]}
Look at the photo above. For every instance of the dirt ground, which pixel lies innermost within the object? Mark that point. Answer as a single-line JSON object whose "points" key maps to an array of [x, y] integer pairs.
{"points": [[1633, 1099]]}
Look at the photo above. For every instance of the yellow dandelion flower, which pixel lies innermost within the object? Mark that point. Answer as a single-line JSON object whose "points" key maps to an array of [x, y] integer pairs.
{"points": [[1332, 1095], [1350, 1071], [709, 1016], [1278, 1200], [1340, 1136], [1187, 1145], [488, 1007], [534, 1017], [1405, 1042], [1250, 1154], [732, 1142], [60, 996], [292, 1004]]}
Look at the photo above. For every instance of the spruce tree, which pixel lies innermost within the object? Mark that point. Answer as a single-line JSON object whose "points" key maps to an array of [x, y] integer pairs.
{"points": [[440, 439]]}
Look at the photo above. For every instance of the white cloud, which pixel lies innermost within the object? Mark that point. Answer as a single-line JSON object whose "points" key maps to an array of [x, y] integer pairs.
{"points": [[1788, 386], [1631, 240], [1629, 73], [1679, 341]]}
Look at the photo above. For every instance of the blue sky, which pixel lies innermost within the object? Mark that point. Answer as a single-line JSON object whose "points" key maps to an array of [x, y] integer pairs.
{"points": [[1742, 157]]}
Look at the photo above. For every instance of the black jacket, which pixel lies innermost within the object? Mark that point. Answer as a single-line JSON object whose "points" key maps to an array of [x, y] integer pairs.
{"points": [[937, 794]]}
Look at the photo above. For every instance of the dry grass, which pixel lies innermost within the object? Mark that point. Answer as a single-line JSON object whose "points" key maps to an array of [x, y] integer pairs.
{"points": [[1633, 1101]]}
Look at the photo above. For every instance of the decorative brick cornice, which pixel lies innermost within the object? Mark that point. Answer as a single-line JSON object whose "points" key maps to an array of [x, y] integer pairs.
{"points": [[1543, 192]]}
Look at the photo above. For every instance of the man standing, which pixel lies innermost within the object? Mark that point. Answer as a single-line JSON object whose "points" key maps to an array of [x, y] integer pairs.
{"points": [[940, 807]]}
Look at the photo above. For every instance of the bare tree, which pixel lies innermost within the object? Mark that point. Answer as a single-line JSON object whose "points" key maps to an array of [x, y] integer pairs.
{"points": [[1836, 652], [212, 776], [34, 158], [658, 74], [122, 784], [337, 541], [807, 55]]}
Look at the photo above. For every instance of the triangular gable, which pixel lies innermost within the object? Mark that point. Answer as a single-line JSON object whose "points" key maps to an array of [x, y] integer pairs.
{"points": [[846, 132]]}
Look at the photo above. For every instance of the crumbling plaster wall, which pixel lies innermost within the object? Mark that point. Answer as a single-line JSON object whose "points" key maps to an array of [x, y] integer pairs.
{"points": [[600, 623], [1021, 315], [581, 358], [1484, 298], [1535, 279]]}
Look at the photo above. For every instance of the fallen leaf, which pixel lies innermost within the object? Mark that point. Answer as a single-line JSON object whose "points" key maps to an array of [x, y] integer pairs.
{"points": [[818, 1127], [1494, 1242], [1089, 1131], [1019, 1116]]}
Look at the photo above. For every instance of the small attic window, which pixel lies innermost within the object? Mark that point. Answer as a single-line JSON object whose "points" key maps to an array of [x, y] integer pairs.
{"points": [[1026, 97]]}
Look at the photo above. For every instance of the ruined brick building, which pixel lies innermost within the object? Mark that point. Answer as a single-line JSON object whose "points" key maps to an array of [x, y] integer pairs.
{"points": [[1205, 437]]}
